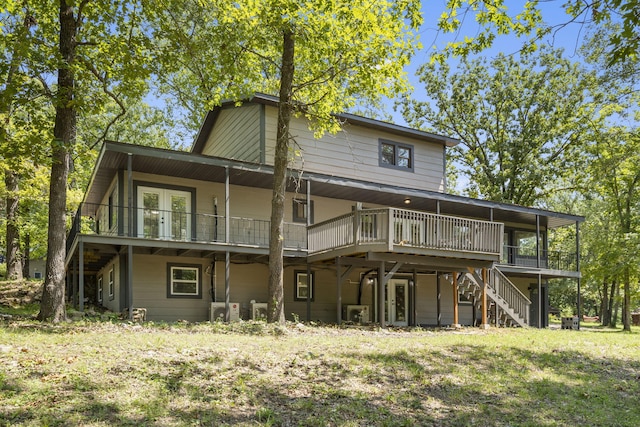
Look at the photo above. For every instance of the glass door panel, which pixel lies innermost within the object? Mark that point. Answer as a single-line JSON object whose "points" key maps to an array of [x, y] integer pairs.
{"points": [[179, 219], [151, 216], [164, 214], [396, 306]]}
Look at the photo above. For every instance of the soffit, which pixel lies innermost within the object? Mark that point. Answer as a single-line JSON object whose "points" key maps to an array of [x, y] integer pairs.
{"points": [[114, 157]]}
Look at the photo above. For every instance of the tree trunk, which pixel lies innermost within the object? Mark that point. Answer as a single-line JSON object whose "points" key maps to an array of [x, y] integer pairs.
{"points": [[276, 239], [615, 298], [605, 312], [26, 254], [626, 304], [14, 261], [52, 306]]}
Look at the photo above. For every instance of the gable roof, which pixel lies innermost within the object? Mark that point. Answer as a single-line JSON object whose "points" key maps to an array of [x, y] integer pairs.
{"points": [[260, 98]]}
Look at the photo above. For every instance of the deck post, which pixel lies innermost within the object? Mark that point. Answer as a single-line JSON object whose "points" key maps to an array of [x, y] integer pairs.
{"points": [[438, 299], [579, 297], [227, 255], [338, 291], [74, 281], [81, 277], [308, 224], [485, 323], [382, 282], [456, 321], [227, 286], [130, 227]]}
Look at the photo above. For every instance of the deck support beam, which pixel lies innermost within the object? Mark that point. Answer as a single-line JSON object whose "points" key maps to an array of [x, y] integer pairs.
{"points": [[438, 299], [382, 282], [81, 277], [485, 323], [456, 319]]}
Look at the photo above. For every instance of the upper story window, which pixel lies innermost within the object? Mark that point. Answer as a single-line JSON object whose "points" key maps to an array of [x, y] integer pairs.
{"points": [[396, 155]]}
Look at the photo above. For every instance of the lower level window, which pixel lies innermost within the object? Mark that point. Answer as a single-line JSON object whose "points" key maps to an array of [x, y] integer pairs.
{"points": [[184, 281]]}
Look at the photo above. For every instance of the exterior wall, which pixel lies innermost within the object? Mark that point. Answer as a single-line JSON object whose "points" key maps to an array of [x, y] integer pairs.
{"points": [[237, 134], [244, 202], [111, 302], [150, 290], [354, 153], [427, 299], [37, 268]]}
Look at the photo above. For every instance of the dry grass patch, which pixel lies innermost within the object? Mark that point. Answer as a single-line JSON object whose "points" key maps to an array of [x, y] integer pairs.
{"points": [[252, 374]]}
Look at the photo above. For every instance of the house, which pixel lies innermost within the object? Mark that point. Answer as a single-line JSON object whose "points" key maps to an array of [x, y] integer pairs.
{"points": [[371, 234]]}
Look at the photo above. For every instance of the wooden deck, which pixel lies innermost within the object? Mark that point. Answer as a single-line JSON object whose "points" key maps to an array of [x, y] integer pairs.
{"points": [[405, 232]]}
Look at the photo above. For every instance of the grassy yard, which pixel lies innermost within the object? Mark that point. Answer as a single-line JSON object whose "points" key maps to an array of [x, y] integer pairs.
{"points": [[251, 374]]}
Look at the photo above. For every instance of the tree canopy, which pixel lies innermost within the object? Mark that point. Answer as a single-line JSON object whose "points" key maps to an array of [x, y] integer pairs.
{"points": [[522, 120]]}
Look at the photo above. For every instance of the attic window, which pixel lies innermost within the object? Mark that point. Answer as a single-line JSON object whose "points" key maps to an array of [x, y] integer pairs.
{"points": [[396, 155]]}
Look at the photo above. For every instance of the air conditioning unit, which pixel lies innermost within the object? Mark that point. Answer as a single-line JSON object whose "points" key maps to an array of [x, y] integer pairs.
{"points": [[357, 313], [217, 311], [259, 310]]}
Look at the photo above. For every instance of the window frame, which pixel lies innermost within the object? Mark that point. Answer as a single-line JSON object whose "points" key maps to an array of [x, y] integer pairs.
{"points": [[170, 280], [111, 284], [308, 210], [298, 274], [100, 289], [396, 147]]}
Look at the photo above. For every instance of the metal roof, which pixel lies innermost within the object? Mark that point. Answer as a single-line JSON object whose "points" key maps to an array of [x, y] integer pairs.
{"points": [[114, 157]]}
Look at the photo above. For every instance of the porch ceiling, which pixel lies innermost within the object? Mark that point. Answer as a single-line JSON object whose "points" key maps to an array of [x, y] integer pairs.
{"points": [[114, 157]]}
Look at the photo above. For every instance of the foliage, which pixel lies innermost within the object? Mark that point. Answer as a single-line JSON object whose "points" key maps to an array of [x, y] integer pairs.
{"points": [[494, 18], [522, 121]]}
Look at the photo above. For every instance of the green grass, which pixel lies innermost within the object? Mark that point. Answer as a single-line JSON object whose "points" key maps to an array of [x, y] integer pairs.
{"points": [[249, 374]]}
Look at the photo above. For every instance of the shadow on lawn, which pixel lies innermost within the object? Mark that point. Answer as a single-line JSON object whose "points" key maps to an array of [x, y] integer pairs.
{"points": [[450, 386]]}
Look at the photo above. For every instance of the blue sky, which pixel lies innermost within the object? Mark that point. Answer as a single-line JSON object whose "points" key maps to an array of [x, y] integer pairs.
{"points": [[568, 37]]}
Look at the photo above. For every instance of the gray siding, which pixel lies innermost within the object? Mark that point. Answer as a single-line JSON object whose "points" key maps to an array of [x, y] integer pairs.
{"points": [[150, 290], [354, 153], [237, 134]]}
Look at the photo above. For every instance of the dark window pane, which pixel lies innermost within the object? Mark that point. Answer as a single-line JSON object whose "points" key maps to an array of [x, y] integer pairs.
{"points": [[388, 154], [404, 157]]}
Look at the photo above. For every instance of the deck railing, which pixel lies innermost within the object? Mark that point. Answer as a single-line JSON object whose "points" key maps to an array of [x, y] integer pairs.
{"points": [[515, 299], [180, 226], [406, 228], [525, 257]]}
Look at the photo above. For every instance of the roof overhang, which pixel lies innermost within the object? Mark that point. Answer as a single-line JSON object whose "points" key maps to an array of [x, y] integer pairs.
{"points": [[115, 157]]}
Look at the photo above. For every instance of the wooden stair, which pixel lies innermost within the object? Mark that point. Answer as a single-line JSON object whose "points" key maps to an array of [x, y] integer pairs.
{"points": [[506, 305]]}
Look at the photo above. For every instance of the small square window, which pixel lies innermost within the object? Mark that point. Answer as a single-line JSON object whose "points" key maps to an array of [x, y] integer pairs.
{"points": [[303, 286], [184, 281], [396, 155]]}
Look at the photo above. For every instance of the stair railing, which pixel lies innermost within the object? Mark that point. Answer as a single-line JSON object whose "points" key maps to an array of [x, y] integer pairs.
{"points": [[515, 299]]}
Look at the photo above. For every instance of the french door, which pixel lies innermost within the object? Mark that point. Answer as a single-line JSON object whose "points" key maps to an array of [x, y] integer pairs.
{"points": [[164, 214], [396, 302]]}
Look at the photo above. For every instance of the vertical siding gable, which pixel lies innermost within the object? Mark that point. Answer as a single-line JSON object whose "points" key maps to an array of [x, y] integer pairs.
{"points": [[237, 134]]}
